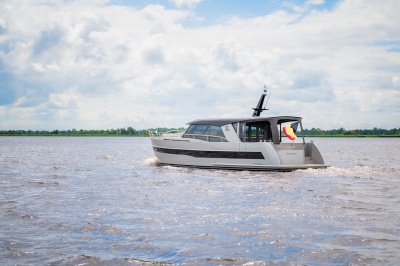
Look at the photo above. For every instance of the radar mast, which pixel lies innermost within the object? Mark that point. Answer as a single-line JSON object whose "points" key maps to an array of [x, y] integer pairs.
{"points": [[260, 108]]}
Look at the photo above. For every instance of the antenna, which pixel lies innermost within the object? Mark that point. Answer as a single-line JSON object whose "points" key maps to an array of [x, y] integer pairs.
{"points": [[267, 99], [259, 108]]}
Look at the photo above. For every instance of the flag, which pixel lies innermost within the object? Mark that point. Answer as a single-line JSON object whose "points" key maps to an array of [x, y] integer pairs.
{"points": [[289, 131], [294, 126]]}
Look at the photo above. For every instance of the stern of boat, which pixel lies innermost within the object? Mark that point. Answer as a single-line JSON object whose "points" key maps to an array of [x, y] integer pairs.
{"points": [[297, 154], [312, 154]]}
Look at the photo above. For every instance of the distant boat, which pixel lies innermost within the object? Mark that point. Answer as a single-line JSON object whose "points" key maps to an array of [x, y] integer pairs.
{"points": [[253, 143]]}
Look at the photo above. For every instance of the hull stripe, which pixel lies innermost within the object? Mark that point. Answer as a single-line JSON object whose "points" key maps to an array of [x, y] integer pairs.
{"points": [[212, 154]]}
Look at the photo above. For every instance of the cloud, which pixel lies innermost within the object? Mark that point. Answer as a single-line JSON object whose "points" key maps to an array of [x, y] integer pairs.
{"points": [[3, 26], [95, 65], [186, 3], [47, 40], [315, 2], [226, 54], [7, 92]]}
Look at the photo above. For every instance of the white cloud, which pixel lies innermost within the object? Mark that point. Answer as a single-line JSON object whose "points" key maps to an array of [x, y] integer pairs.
{"points": [[186, 3], [90, 65], [315, 2]]}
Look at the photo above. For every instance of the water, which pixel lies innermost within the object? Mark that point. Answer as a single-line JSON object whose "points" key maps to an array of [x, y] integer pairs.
{"points": [[101, 201]]}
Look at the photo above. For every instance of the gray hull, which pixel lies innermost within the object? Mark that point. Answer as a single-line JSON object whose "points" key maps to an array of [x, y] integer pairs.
{"points": [[261, 156]]}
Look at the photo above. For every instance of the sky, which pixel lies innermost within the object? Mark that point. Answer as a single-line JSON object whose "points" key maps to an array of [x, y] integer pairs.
{"points": [[102, 64]]}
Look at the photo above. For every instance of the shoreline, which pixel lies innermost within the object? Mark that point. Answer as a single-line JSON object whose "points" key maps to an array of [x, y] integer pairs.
{"points": [[117, 135]]}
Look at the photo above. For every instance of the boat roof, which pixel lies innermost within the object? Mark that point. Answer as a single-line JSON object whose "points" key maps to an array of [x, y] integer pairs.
{"points": [[226, 121]]}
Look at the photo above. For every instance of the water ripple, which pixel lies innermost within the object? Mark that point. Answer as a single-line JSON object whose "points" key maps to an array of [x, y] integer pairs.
{"points": [[106, 201]]}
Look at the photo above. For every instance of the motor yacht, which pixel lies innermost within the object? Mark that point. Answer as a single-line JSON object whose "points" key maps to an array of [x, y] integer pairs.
{"points": [[252, 143]]}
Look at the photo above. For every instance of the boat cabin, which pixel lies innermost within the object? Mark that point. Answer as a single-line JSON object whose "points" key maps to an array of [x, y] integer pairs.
{"points": [[255, 129]]}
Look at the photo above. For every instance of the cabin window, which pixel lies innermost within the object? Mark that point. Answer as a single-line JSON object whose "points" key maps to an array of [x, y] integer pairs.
{"points": [[196, 129], [205, 132], [256, 132], [216, 131]]}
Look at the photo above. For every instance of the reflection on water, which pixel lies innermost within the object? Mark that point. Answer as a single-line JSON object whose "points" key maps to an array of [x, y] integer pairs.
{"points": [[70, 201]]}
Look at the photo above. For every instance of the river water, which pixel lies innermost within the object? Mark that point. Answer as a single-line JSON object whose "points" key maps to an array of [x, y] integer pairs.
{"points": [[102, 201]]}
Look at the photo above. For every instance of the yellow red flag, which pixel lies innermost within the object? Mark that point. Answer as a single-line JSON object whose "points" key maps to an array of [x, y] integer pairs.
{"points": [[288, 130]]}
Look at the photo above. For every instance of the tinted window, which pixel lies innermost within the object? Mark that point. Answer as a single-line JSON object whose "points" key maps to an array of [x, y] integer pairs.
{"points": [[216, 131], [197, 129], [194, 131], [257, 131]]}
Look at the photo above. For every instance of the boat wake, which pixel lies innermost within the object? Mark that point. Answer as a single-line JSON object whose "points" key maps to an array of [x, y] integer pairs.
{"points": [[358, 171], [153, 161]]}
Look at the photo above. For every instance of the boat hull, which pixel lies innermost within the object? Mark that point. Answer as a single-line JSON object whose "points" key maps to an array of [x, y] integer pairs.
{"points": [[245, 167], [237, 156]]}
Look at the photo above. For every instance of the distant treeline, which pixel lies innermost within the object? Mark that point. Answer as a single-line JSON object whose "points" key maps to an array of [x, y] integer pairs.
{"points": [[341, 132], [130, 131]]}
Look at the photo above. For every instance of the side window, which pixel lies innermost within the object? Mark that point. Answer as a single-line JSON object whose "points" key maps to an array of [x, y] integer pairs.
{"points": [[200, 129], [205, 132], [216, 131], [243, 132], [196, 132], [256, 132], [196, 129]]}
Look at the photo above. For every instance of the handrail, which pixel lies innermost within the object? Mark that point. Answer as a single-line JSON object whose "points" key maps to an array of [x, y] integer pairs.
{"points": [[205, 136], [172, 133], [214, 136], [179, 134]]}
